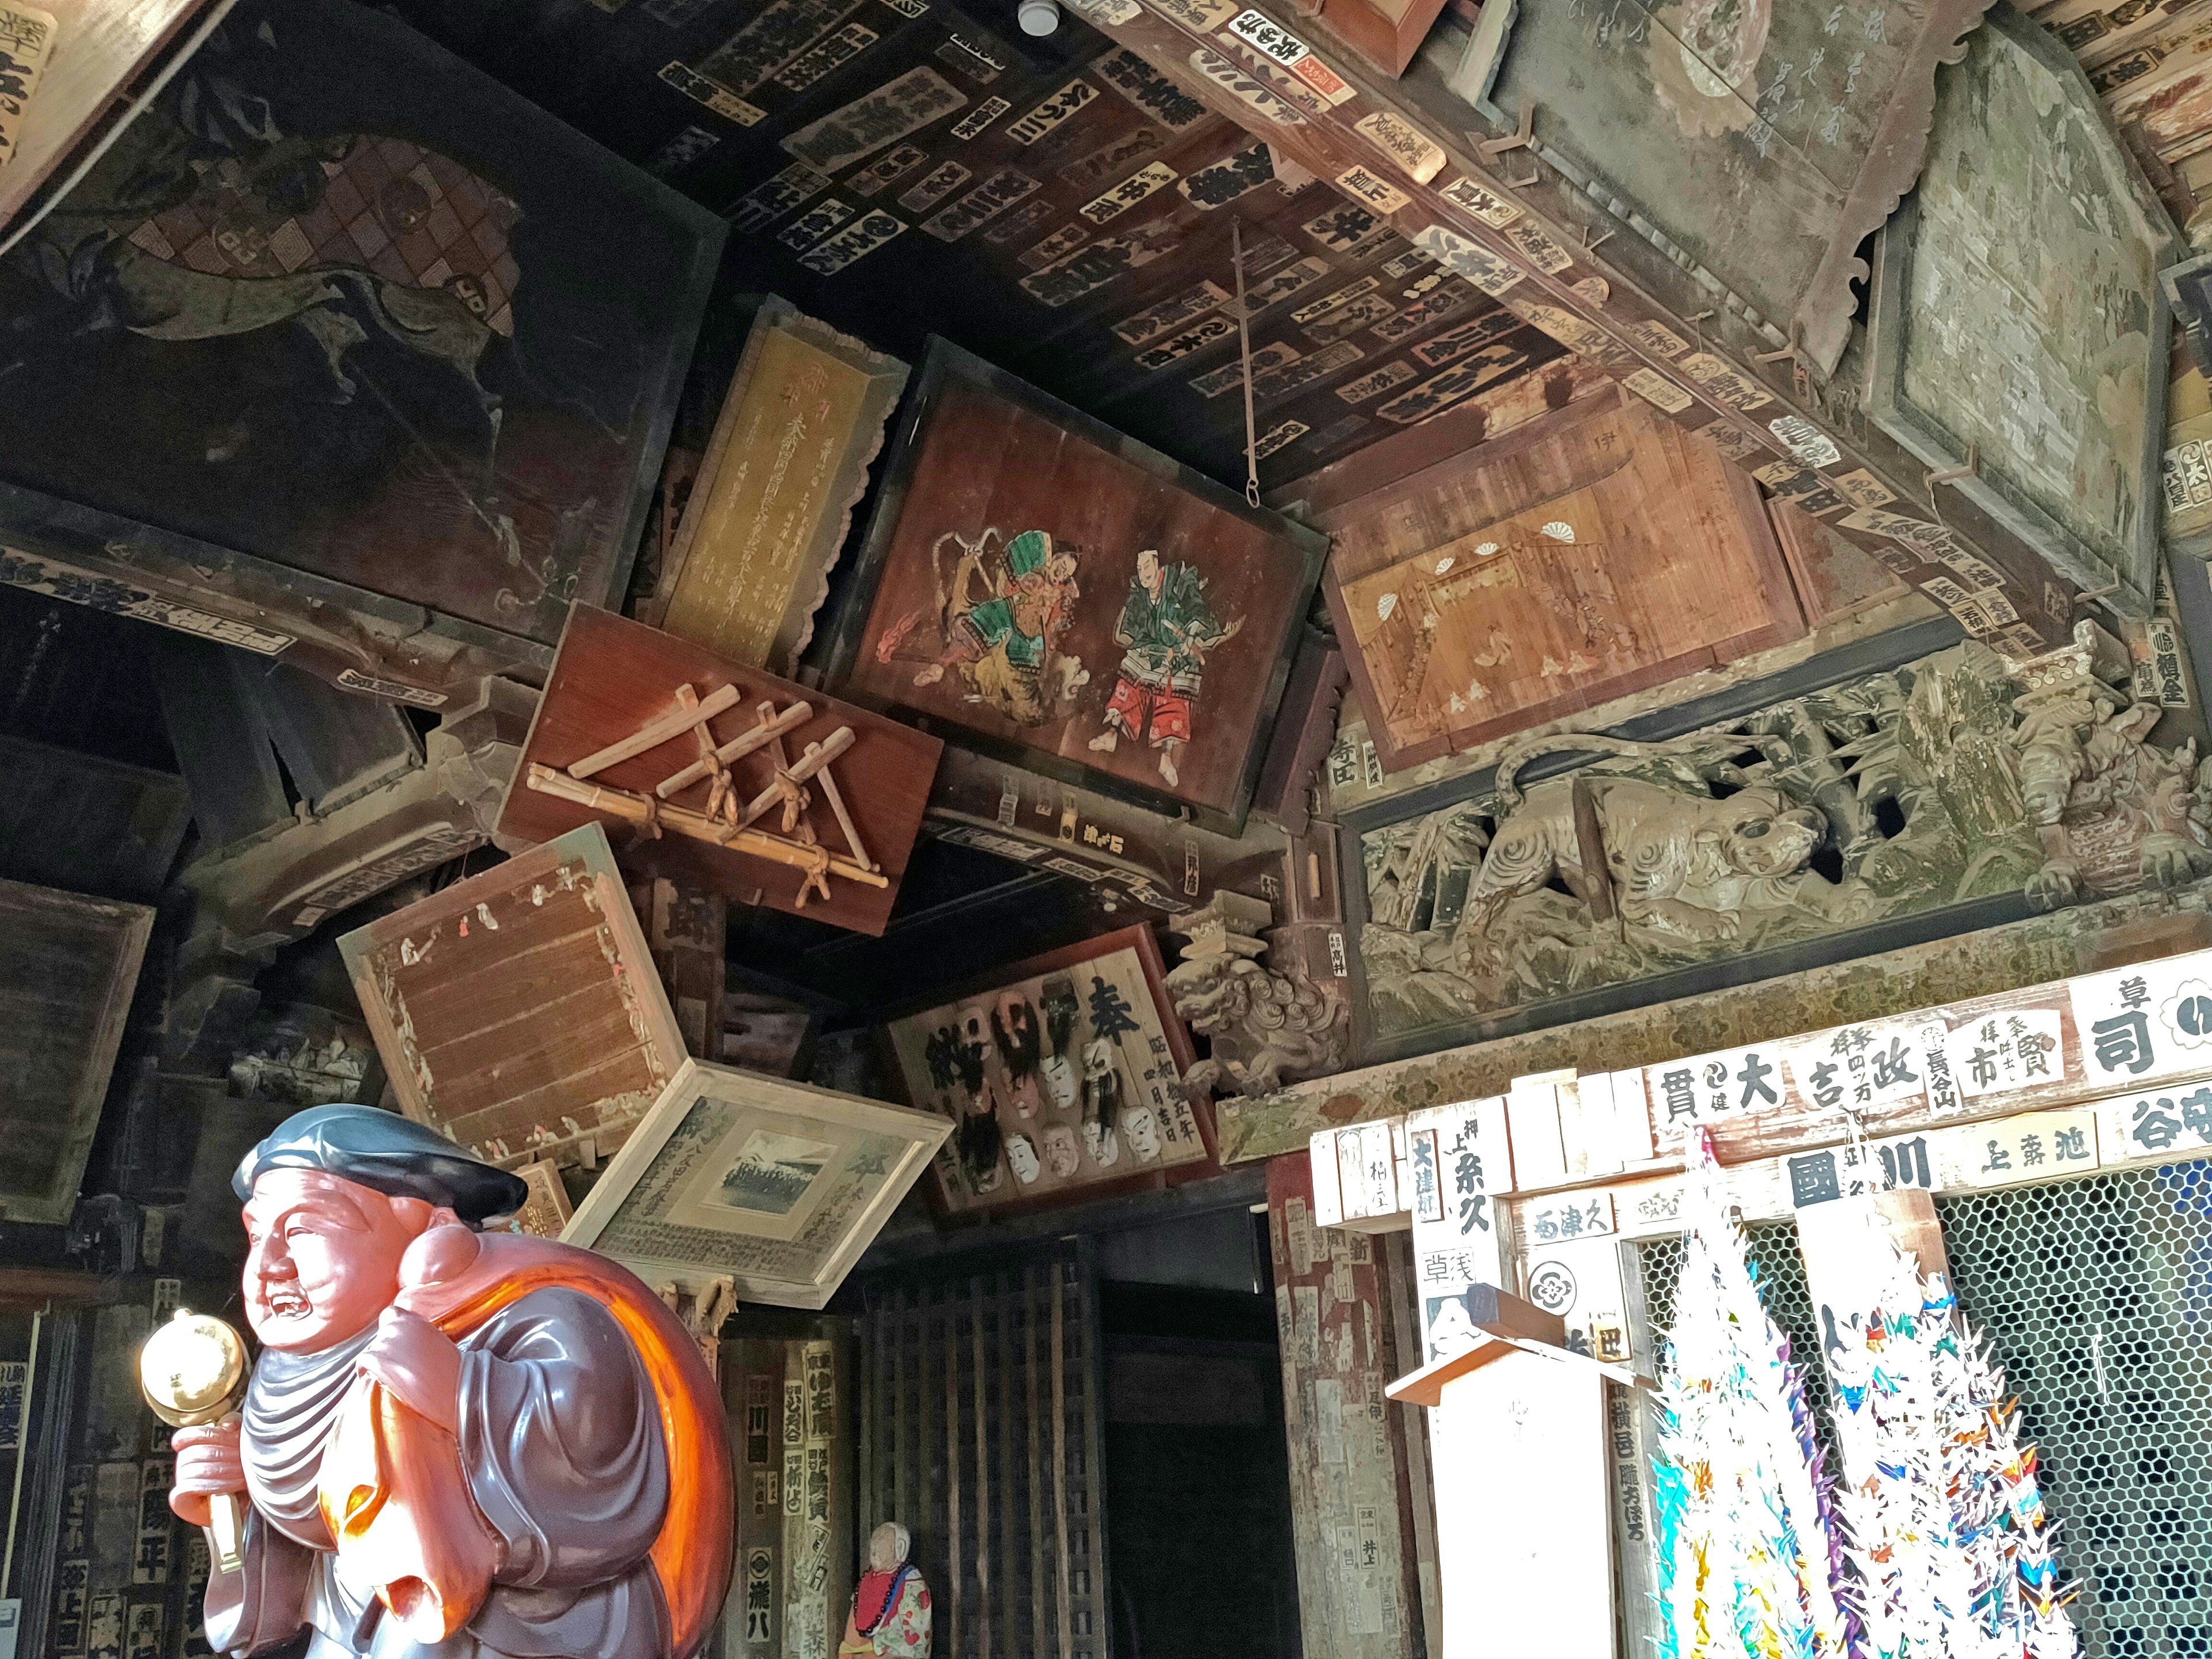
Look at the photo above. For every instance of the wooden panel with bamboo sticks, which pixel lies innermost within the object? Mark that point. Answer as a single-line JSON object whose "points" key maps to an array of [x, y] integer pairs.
{"points": [[714, 774], [980, 1428]]}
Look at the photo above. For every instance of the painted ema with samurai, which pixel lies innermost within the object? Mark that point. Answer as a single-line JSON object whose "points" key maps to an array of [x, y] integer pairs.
{"points": [[460, 1444], [1167, 626], [1000, 629]]}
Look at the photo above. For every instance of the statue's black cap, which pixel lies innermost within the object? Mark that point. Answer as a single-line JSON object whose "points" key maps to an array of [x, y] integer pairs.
{"points": [[387, 1153]]}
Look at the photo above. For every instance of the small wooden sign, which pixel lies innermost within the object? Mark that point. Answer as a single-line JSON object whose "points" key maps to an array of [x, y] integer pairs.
{"points": [[518, 1011], [775, 491]]}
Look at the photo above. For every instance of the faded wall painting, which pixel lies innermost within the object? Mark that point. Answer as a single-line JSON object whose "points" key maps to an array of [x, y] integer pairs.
{"points": [[1061, 1078], [1039, 583], [1763, 139], [338, 301], [1956, 777], [2017, 309], [1611, 553]]}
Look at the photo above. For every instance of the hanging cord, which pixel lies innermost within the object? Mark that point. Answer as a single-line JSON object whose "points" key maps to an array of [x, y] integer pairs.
{"points": [[1244, 351]]}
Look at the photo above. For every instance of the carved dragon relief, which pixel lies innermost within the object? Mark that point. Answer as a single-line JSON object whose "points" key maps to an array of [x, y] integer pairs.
{"points": [[1956, 777]]}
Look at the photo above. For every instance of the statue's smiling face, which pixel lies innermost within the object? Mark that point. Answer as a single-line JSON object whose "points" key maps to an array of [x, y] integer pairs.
{"points": [[323, 1256]]}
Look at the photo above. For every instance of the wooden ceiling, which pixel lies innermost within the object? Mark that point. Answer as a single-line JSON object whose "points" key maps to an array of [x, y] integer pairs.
{"points": [[1055, 205]]}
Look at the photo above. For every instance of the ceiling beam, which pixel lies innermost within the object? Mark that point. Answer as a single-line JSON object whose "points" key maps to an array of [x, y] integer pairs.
{"points": [[1495, 213]]}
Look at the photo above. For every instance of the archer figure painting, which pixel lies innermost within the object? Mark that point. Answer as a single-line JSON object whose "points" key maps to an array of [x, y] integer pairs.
{"points": [[1060, 593], [339, 301]]}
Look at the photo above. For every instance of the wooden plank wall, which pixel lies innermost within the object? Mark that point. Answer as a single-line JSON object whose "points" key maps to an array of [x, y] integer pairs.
{"points": [[981, 1419], [1353, 1503]]}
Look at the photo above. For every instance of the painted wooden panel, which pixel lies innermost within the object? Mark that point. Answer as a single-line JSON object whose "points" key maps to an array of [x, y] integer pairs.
{"points": [[2017, 325], [377, 321], [1597, 552], [67, 966], [614, 677], [518, 1011], [1073, 600], [1761, 142]]}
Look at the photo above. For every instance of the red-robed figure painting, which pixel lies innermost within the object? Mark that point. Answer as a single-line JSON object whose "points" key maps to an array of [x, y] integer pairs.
{"points": [[455, 1443]]}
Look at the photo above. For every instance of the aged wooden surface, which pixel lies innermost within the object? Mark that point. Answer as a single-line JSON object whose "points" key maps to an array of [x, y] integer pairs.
{"points": [[1591, 555], [2028, 259], [776, 490], [68, 967], [1817, 118], [1071, 600], [1956, 778], [490, 459], [613, 676], [1067, 184], [1534, 243], [99, 48], [1993, 962], [518, 1011]]}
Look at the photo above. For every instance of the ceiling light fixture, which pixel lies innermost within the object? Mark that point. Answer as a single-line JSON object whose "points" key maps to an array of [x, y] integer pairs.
{"points": [[1039, 16]]}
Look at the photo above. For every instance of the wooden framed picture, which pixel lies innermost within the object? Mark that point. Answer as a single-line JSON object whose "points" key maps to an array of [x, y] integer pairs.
{"points": [[1597, 551], [1062, 595], [518, 1012], [777, 1187], [1061, 1077], [2017, 329], [767, 514], [380, 336]]}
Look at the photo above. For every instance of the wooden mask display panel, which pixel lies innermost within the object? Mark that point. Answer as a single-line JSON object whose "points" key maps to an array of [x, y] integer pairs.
{"points": [[1061, 1077], [1067, 596], [1599, 552], [614, 677], [518, 1011]]}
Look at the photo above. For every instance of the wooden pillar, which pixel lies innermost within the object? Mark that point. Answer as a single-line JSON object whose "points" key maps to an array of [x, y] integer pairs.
{"points": [[1351, 1498]]}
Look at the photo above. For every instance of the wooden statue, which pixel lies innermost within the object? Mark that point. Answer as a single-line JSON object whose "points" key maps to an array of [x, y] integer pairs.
{"points": [[890, 1606], [1266, 1026], [487, 1440]]}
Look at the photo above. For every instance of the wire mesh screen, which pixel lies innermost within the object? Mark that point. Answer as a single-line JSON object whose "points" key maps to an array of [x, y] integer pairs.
{"points": [[2096, 1297], [1773, 1251]]}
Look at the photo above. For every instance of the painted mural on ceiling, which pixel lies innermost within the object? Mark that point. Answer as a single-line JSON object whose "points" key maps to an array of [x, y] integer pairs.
{"points": [[1058, 205]]}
